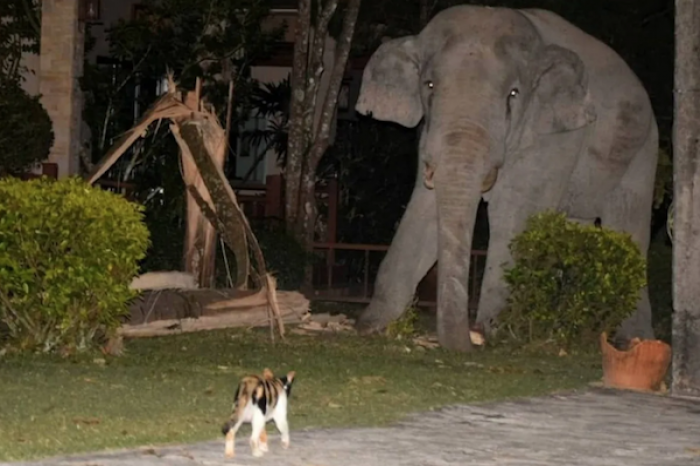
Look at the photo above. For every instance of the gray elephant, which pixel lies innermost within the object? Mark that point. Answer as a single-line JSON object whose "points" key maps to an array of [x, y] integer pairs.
{"points": [[521, 108]]}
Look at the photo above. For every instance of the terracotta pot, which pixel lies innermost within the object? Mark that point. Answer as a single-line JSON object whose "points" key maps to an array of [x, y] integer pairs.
{"points": [[642, 366]]}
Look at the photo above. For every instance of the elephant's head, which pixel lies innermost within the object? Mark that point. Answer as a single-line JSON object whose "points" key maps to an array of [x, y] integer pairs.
{"points": [[476, 75], [486, 86]]}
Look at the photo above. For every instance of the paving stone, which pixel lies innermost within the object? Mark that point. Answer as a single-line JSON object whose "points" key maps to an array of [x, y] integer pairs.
{"points": [[595, 427]]}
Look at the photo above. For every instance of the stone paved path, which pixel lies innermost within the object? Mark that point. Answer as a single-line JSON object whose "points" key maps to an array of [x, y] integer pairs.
{"points": [[596, 427]]}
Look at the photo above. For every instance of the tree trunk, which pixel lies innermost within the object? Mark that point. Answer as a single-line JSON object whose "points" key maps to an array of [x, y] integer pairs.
{"points": [[686, 241], [308, 141], [296, 145]]}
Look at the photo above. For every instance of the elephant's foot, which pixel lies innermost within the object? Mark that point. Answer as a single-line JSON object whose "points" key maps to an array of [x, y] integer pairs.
{"points": [[376, 317], [486, 321], [639, 324], [367, 328], [633, 327], [369, 324]]}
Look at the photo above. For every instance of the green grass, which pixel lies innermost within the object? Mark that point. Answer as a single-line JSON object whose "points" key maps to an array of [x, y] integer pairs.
{"points": [[179, 389]]}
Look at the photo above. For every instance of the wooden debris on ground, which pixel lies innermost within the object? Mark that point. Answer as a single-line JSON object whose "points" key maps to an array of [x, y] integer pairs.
{"points": [[315, 324], [431, 341], [247, 312], [426, 341], [164, 280]]}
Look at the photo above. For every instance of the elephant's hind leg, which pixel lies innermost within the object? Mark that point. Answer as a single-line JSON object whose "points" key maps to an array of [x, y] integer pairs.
{"points": [[629, 209]]}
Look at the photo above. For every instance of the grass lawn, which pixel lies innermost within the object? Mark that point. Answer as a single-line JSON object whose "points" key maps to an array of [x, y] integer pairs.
{"points": [[180, 388]]}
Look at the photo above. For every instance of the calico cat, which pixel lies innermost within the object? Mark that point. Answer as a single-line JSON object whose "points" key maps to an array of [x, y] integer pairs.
{"points": [[257, 401]]}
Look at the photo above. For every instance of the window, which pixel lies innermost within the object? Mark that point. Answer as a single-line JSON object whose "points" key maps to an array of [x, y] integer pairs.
{"points": [[251, 150]]}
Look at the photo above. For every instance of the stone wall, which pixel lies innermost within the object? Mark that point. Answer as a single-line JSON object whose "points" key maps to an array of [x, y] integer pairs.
{"points": [[61, 67]]}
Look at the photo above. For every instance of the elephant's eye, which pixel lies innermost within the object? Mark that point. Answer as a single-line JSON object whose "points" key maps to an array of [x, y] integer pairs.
{"points": [[429, 84], [511, 95]]}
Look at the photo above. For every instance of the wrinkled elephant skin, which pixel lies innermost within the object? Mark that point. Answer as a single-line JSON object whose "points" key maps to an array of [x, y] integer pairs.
{"points": [[524, 110]]}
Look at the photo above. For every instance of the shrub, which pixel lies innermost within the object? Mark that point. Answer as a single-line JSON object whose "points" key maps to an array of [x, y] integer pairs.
{"points": [[68, 252], [405, 326], [570, 281], [27, 134]]}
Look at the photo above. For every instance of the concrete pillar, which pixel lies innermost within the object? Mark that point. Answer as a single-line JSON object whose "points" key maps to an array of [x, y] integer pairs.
{"points": [[61, 67]]}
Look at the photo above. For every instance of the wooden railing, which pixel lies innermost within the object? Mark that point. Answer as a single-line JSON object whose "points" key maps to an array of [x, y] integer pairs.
{"points": [[350, 292], [265, 202]]}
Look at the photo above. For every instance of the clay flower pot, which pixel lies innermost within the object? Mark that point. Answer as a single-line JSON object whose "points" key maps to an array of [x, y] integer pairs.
{"points": [[642, 366]]}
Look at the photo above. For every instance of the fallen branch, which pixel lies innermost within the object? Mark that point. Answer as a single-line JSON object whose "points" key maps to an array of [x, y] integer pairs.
{"points": [[254, 317]]}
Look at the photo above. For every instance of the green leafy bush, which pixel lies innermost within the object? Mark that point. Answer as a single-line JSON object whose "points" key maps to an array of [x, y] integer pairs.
{"points": [[569, 282], [68, 252], [27, 134], [404, 327]]}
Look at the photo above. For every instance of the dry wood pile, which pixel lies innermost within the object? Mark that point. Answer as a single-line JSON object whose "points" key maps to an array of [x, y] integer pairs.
{"points": [[247, 311]]}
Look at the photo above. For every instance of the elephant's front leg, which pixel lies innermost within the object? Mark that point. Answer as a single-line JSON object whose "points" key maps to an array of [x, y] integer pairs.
{"points": [[494, 290], [412, 253]]}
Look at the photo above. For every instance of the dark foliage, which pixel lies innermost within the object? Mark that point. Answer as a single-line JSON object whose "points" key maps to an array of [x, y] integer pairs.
{"points": [[27, 135]]}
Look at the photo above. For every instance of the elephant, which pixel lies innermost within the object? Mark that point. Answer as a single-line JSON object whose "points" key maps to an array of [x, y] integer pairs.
{"points": [[524, 110]]}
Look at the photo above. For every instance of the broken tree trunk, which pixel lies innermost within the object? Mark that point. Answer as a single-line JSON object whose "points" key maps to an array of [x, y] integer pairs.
{"points": [[200, 136], [197, 146], [193, 146], [199, 255], [264, 279], [169, 106]]}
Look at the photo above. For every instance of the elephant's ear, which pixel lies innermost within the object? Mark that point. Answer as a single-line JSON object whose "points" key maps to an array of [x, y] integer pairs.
{"points": [[390, 83], [560, 91]]}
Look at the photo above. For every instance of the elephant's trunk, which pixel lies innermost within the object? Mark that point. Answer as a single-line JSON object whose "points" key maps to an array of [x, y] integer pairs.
{"points": [[458, 185]]}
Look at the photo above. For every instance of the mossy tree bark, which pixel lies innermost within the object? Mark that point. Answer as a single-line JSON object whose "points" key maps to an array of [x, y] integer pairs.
{"points": [[233, 230]]}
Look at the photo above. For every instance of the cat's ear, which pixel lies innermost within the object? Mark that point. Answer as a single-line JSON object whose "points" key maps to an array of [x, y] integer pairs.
{"points": [[267, 374], [290, 376]]}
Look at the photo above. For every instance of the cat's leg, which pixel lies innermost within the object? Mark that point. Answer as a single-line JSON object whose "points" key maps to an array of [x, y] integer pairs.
{"points": [[258, 428], [230, 433], [263, 441], [280, 419]]}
